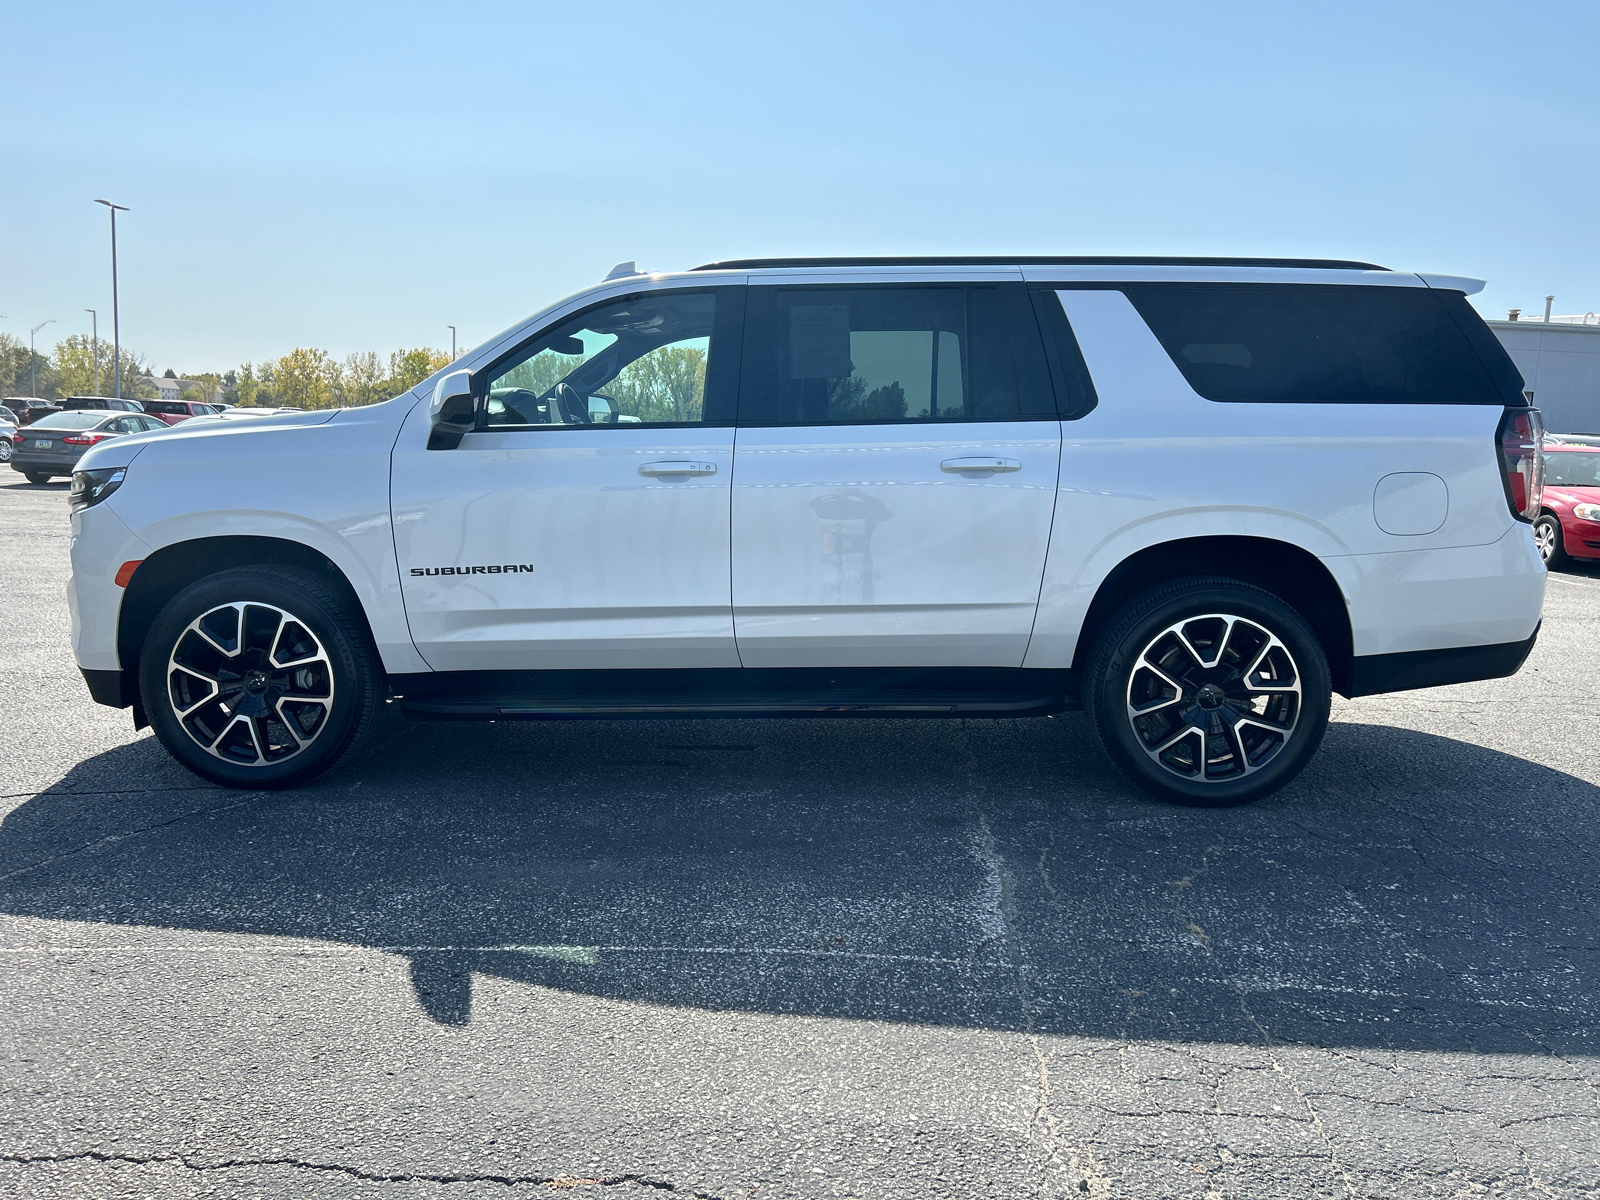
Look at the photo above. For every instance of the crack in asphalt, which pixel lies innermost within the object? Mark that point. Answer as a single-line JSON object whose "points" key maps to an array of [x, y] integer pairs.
{"points": [[554, 1181], [119, 837]]}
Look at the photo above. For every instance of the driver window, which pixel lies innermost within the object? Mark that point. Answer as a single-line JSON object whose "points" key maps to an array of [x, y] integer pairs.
{"points": [[637, 361]]}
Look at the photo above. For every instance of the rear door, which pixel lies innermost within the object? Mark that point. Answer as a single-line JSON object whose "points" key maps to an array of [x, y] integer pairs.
{"points": [[895, 476], [584, 522]]}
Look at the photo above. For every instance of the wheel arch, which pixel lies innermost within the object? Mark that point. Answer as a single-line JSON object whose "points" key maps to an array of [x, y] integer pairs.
{"points": [[1290, 572], [174, 567]]}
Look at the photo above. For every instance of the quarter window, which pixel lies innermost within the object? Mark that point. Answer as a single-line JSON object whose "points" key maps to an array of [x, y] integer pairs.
{"points": [[644, 360], [1289, 343]]}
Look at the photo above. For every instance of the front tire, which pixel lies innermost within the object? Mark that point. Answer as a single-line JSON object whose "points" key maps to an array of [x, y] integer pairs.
{"points": [[1547, 537], [1208, 691], [260, 677], [5, 450]]}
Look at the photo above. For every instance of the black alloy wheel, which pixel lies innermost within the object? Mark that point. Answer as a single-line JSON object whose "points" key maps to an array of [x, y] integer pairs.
{"points": [[260, 677], [1208, 691], [1547, 537]]}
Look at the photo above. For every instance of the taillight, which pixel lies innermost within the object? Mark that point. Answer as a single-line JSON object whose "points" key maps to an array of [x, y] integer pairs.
{"points": [[84, 439], [1520, 442]]}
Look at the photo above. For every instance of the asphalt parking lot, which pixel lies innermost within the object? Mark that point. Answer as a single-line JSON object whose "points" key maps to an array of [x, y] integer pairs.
{"points": [[751, 960]]}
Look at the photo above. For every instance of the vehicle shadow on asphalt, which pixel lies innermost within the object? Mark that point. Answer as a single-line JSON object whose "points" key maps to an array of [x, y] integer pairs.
{"points": [[1409, 891]]}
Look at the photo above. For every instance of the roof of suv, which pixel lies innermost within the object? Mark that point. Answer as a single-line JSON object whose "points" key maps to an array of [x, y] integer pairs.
{"points": [[992, 260]]}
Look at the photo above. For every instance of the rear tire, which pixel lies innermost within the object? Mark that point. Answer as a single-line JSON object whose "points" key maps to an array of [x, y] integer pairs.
{"points": [[5, 450], [36, 477], [1547, 537], [260, 677], [1208, 691]]}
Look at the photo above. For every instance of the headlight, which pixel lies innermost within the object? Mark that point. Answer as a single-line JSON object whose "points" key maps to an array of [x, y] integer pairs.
{"points": [[1586, 512], [91, 487]]}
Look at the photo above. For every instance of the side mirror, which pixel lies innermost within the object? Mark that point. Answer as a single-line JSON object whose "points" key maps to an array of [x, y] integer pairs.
{"points": [[452, 412]]}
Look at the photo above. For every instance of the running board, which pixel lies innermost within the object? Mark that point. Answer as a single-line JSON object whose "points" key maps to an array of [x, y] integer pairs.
{"points": [[863, 692]]}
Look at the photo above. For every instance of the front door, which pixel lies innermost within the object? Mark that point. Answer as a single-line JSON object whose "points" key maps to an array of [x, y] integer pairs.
{"points": [[584, 522], [895, 476]]}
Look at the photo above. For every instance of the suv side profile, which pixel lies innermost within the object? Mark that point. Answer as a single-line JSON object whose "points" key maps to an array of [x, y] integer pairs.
{"points": [[84, 403], [1194, 497]]}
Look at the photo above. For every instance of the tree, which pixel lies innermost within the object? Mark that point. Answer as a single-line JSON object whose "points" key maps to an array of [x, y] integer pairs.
{"points": [[13, 365], [305, 378], [407, 368], [75, 368], [361, 380]]}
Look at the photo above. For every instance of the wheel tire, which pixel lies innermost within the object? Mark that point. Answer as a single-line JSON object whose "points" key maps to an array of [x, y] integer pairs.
{"points": [[1547, 537], [1217, 764], [36, 477], [299, 653], [5, 450]]}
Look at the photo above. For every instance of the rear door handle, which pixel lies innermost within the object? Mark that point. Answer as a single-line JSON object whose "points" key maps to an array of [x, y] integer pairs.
{"points": [[958, 466], [677, 468]]}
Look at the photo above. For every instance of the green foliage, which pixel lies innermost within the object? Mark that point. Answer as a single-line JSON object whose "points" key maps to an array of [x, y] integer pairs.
{"points": [[407, 368], [668, 384], [74, 366], [849, 400], [13, 366], [305, 377]]}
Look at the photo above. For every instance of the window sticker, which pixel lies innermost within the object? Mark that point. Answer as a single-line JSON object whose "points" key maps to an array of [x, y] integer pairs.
{"points": [[819, 341]]}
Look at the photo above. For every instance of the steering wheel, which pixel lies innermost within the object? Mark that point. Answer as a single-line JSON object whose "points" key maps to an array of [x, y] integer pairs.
{"points": [[573, 407]]}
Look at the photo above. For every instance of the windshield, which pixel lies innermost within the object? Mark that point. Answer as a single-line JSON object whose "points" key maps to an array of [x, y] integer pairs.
{"points": [[68, 420], [1572, 468]]}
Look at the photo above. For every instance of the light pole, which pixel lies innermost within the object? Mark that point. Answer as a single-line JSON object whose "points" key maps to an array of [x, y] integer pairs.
{"points": [[452, 330], [95, 338], [116, 325], [33, 359]]}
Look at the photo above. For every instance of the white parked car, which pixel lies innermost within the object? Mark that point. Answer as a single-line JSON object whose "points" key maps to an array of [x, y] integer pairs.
{"points": [[1195, 497]]}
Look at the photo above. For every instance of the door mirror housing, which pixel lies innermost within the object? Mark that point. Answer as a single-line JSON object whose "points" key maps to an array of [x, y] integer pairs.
{"points": [[453, 412]]}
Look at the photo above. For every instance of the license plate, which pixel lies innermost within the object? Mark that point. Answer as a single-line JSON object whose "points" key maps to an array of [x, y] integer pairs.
{"points": [[43, 445]]}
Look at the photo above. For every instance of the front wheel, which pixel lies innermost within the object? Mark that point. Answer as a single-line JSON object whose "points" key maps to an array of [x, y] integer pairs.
{"points": [[1547, 537], [259, 677], [1208, 691], [5, 450]]}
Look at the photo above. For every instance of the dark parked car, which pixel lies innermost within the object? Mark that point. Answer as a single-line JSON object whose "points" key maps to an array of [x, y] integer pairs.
{"points": [[52, 445], [85, 403], [28, 409]]}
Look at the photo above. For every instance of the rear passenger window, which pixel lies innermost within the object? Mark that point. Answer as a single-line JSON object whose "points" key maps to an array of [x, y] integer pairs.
{"points": [[1298, 343], [879, 355]]}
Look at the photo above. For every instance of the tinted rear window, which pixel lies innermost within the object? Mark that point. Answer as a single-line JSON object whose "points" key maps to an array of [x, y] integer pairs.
{"points": [[1296, 343], [171, 407], [67, 420]]}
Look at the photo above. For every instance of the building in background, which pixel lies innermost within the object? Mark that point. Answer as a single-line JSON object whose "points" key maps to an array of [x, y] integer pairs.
{"points": [[173, 389], [1559, 358]]}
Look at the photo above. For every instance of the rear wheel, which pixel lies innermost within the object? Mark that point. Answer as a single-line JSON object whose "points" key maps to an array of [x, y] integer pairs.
{"points": [[1208, 691], [36, 476], [1547, 537], [259, 677], [5, 450]]}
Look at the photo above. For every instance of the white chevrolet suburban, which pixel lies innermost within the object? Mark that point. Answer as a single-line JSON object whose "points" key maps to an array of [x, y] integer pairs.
{"points": [[1192, 496]]}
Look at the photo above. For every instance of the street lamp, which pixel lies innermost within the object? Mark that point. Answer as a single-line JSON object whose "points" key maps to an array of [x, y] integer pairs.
{"points": [[95, 338], [33, 359], [452, 330], [116, 327]]}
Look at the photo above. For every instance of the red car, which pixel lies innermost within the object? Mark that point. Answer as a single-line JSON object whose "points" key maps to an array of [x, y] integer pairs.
{"points": [[173, 411], [1569, 525]]}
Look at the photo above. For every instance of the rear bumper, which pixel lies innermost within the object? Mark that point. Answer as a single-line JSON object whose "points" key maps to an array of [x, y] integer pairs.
{"points": [[1375, 674]]}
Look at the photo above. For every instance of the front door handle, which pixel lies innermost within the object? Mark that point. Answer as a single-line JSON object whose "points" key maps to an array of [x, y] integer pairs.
{"points": [[995, 466], [677, 468]]}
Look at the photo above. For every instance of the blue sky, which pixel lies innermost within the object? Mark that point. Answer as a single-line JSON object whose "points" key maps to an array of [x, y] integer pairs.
{"points": [[359, 176]]}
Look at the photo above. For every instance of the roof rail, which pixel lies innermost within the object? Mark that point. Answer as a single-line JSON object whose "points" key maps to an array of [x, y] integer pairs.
{"points": [[1035, 260]]}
